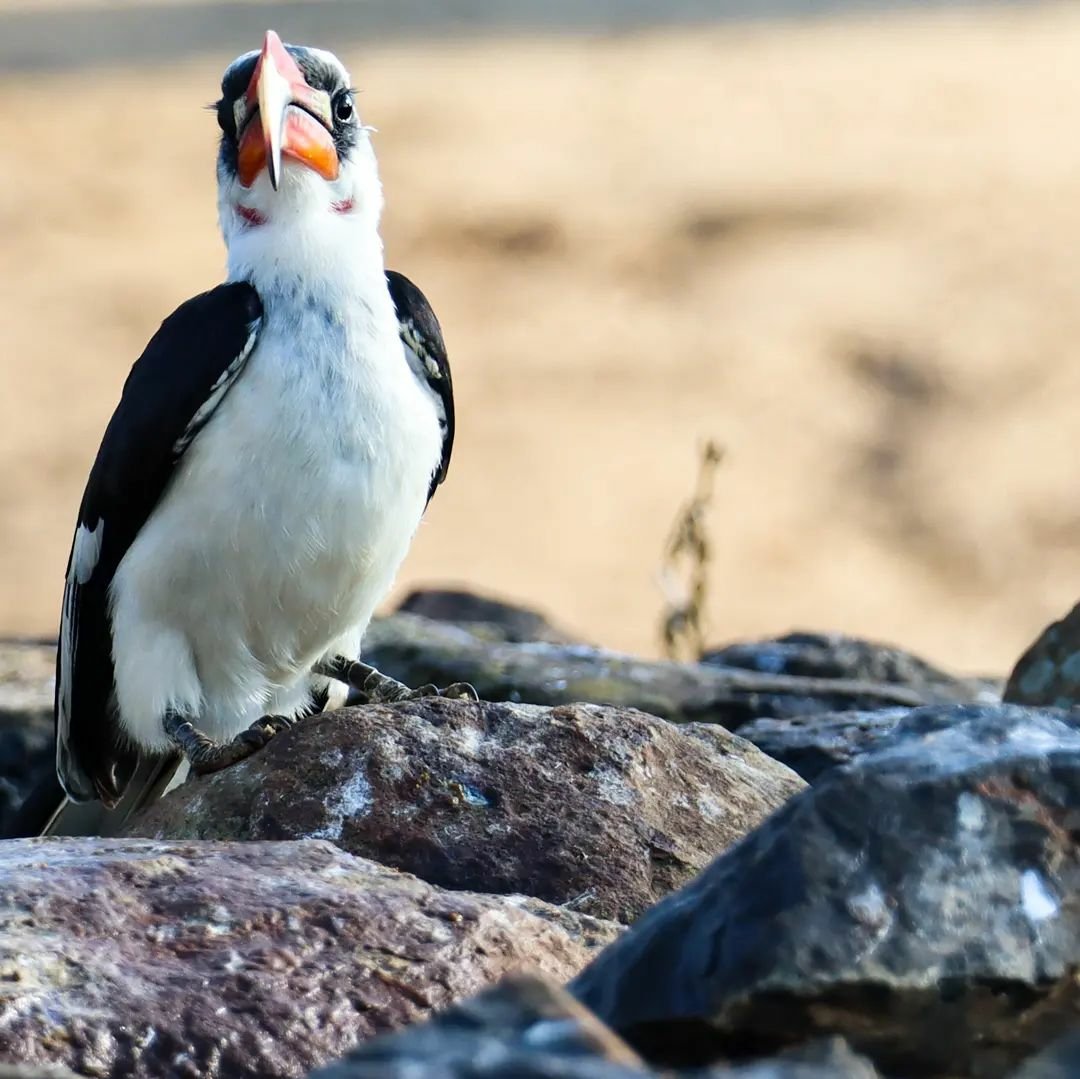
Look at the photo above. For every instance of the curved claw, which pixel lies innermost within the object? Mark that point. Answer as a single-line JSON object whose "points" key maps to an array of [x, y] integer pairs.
{"points": [[457, 691], [460, 691], [277, 724]]}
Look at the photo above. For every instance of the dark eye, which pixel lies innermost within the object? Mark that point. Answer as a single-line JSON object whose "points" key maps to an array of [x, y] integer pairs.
{"points": [[343, 107]]}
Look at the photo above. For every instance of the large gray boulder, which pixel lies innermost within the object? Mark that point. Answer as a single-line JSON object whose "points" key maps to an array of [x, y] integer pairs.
{"points": [[605, 809], [918, 901], [139, 958]]}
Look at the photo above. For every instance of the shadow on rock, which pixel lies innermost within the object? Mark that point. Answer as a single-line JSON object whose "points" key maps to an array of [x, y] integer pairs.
{"points": [[527, 1028]]}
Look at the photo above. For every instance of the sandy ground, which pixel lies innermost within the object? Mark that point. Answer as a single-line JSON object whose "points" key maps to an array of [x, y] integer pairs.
{"points": [[848, 250]]}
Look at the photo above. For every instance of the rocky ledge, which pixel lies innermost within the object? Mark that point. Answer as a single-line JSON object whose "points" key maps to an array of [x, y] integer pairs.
{"points": [[363, 895]]}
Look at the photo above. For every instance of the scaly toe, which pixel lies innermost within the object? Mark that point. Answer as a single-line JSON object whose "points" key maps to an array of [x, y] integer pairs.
{"points": [[240, 748]]}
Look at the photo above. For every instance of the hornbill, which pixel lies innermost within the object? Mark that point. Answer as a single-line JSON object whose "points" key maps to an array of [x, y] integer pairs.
{"points": [[260, 481]]}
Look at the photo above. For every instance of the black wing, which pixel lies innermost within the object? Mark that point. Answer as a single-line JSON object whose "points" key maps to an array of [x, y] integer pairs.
{"points": [[171, 392], [426, 353]]}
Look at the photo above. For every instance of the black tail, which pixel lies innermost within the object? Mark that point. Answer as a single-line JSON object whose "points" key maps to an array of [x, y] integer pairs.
{"points": [[48, 811]]}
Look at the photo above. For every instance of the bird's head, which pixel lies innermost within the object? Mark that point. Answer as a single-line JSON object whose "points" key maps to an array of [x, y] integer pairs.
{"points": [[293, 150]]}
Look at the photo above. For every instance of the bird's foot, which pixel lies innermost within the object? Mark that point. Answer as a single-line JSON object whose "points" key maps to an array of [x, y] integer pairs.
{"points": [[207, 756], [378, 688], [456, 691]]}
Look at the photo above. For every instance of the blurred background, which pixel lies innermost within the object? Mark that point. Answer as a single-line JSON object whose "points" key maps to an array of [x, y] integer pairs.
{"points": [[840, 239]]}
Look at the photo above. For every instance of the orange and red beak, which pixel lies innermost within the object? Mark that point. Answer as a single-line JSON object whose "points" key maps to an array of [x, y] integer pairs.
{"points": [[280, 115]]}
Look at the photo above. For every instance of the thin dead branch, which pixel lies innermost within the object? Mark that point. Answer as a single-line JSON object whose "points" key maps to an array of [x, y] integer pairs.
{"points": [[684, 569]]}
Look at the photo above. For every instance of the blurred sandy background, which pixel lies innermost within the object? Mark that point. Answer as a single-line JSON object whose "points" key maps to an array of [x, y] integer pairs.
{"points": [[848, 248]]}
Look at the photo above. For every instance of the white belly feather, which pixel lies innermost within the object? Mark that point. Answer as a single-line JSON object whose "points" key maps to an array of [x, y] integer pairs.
{"points": [[284, 526]]}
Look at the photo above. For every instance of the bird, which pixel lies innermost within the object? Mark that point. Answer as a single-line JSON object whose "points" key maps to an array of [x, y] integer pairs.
{"points": [[262, 477]]}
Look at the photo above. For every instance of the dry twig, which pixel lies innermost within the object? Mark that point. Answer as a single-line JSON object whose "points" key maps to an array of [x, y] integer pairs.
{"points": [[684, 571]]}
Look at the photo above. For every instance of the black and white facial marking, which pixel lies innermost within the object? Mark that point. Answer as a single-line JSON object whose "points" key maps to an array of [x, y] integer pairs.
{"points": [[322, 71], [337, 219]]}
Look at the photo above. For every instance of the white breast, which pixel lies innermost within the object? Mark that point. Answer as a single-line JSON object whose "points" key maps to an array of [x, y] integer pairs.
{"points": [[284, 526]]}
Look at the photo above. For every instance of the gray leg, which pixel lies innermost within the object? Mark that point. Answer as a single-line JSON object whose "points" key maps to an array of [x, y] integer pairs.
{"points": [[205, 755], [378, 688]]}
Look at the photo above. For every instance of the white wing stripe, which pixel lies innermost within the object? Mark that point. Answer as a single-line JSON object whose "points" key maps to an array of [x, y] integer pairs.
{"points": [[217, 392]]}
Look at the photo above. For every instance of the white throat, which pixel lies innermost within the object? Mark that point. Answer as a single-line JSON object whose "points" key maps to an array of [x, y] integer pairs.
{"points": [[323, 236]]}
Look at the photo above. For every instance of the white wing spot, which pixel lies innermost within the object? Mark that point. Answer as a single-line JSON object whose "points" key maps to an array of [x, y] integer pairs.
{"points": [[87, 551]]}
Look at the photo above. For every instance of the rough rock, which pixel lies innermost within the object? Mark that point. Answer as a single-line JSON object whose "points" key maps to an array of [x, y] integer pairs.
{"points": [[810, 745], [493, 646], [916, 901], [420, 650], [1048, 673], [606, 809], [528, 1028], [142, 958], [836, 656], [492, 619], [26, 720]]}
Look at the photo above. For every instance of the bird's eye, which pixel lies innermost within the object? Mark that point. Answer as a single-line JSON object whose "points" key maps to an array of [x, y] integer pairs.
{"points": [[343, 107]]}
